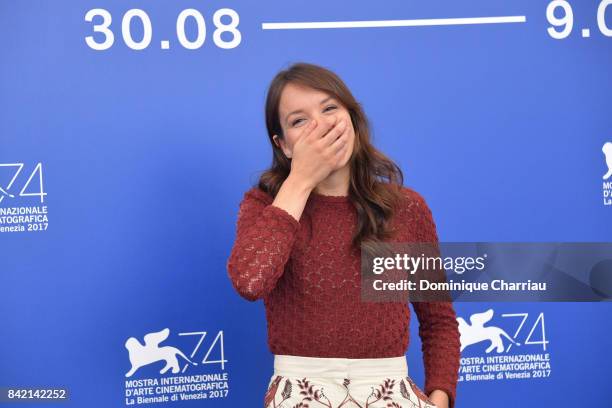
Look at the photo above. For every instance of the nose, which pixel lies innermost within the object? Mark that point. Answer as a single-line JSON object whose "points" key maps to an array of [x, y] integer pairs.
{"points": [[327, 121]]}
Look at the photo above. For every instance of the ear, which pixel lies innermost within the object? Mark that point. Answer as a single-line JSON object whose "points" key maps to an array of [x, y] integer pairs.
{"points": [[280, 142]]}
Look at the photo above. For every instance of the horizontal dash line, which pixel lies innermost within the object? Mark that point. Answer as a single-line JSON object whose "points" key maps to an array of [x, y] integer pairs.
{"points": [[394, 23]]}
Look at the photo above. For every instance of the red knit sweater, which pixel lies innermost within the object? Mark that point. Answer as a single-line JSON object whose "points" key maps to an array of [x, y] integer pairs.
{"points": [[309, 278]]}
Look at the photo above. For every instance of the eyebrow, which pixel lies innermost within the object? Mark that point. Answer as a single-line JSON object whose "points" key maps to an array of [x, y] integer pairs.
{"points": [[299, 110]]}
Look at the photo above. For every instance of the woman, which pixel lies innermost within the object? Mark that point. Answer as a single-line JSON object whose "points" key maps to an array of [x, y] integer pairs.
{"points": [[328, 193]]}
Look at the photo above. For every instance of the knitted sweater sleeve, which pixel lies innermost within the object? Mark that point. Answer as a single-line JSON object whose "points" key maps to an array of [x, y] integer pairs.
{"points": [[265, 235], [438, 326]]}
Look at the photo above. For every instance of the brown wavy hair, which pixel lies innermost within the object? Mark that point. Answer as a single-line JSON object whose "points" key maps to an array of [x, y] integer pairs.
{"points": [[375, 180]]}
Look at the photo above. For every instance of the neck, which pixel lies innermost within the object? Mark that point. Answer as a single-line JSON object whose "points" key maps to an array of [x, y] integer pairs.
{"points": [[336, 183]]}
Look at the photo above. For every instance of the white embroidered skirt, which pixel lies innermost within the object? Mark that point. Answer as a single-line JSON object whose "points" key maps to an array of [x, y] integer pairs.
{"points": [[343, 383]]}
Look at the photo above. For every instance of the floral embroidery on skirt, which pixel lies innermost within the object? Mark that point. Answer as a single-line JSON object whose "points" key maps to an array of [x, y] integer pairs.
{"points": [[390, 392]]}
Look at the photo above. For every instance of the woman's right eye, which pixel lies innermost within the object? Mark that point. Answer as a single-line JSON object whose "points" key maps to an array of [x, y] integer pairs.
{"points": [[327, 109]]}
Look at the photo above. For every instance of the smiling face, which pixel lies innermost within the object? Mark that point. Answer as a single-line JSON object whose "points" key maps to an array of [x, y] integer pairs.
{"points": [[299, 105]]}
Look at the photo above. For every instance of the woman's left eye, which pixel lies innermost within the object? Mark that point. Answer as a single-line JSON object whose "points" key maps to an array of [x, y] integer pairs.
{"points": [[330, 106]]}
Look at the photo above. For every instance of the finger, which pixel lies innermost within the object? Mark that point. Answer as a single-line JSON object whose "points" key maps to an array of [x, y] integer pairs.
{"points": [[334, 133], [309, 129], [339, 155], [324, 131], [340, 143], [306, 131]]}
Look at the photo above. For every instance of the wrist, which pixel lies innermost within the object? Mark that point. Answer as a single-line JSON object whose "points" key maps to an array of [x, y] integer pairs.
{"points": [[298, 185]]}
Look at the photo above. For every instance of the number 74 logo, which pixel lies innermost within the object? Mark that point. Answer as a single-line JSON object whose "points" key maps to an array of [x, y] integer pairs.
{"points": [[4, 189]]}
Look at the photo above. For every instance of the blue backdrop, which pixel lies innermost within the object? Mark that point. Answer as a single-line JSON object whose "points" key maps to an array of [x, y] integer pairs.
{"points": [[122, 170]]}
